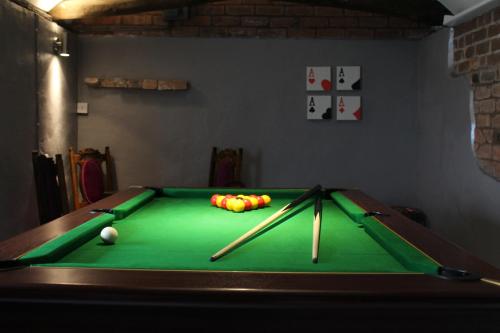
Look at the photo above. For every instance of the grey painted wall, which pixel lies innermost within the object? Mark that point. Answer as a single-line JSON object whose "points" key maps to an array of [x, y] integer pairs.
{"points": [[38, 94], [57, 94], [17, 119], [461, 201], [251, 93]]}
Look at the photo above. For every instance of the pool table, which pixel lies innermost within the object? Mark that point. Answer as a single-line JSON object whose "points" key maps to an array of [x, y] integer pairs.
{"points": [[370, 257]]}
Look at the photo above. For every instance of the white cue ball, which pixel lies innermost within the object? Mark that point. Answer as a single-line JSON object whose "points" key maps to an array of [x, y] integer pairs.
{"points": [[109, 235]]}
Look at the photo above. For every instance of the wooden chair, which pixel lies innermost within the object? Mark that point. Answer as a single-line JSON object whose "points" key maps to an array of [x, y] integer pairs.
{"points": [[88, 182], [52, 196], [225, 168]]}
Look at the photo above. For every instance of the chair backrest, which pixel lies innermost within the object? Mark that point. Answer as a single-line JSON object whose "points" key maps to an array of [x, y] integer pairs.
{"points": [[225, 168], [88, 182], [52, 196]]}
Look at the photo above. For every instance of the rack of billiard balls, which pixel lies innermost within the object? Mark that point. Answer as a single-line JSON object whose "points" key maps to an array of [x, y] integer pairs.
{"points": [[240, 203]]}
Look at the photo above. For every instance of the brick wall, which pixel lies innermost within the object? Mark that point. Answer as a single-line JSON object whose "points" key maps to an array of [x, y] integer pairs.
{"points": [[477, 55], [261, 19]]}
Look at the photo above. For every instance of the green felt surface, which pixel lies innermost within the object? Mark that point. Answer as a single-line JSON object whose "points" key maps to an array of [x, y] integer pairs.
{"points": [[180, 231]]}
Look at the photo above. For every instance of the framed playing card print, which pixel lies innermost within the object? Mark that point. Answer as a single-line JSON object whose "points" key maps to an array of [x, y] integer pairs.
{"points": [[319, 107], [348, 78], [349, 108], [318, 78]]}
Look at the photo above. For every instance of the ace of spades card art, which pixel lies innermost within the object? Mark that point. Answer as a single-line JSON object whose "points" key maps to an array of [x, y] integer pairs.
{"points": [[349, 108], [318, 78], [348, 77], [319, 107]]}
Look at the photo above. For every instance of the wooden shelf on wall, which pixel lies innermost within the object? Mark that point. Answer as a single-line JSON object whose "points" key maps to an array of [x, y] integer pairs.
{"points": [[145, 84]]}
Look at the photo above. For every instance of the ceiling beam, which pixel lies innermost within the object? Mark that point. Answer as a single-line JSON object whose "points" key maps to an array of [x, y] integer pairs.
{"points": [[79, 9]]}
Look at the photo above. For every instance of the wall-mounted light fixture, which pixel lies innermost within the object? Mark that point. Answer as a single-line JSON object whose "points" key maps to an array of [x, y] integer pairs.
{"points": [[60, 45]]}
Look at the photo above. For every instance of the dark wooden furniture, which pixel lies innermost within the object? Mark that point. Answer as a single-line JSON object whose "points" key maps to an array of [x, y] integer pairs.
{"points": [[50, 181], [225, 167], [245, 301], [77, 162]]}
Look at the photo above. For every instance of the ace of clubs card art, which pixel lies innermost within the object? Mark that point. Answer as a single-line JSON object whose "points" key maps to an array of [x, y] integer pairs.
{"points": [[319, 107]]}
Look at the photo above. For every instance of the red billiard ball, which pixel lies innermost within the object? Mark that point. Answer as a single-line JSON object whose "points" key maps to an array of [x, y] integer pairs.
{"points": [[261, 201], [223, 203], [248, 204], [213, 199]]}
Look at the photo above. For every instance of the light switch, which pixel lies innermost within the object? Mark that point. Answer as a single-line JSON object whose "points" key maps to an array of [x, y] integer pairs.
{"points": [[82, 108]]}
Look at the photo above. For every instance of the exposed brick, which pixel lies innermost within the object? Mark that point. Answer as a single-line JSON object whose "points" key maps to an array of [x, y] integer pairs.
{"points": [[483, 120], [474, 78], [479, 136], [484, 19], [469, 39], [202, 21], [479, 35], [488, 135], [270, 10], [458, 55], [482, 92], [242, 32], [208, 10], [483, 48], [487, 106], [137, 19], [475, 63], [462, 67], [255, 2], [228, 2], [271, 33], [359, 33], [484, 151], [495, 44], [239, 10], [401, 22], [301, 33], [495, 90], [494, 59], [314, 22], [213, 32], [158, 20], [343, 22], [299, 11], [465, 27], [283, 22], [254, 21], [494, 30], [372, 22], [483, 61], [487, 76], [349, 12], [461, 42], [330, 33], [496, 14], [470, 52], [227, 21], [328, 11], [185, 32], [495, 122], [496, 153], [388, 33]]}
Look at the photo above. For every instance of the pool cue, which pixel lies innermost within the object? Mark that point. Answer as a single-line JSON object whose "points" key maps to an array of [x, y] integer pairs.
{"points": [[266, 222], [491, 281], [318, 207]]}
